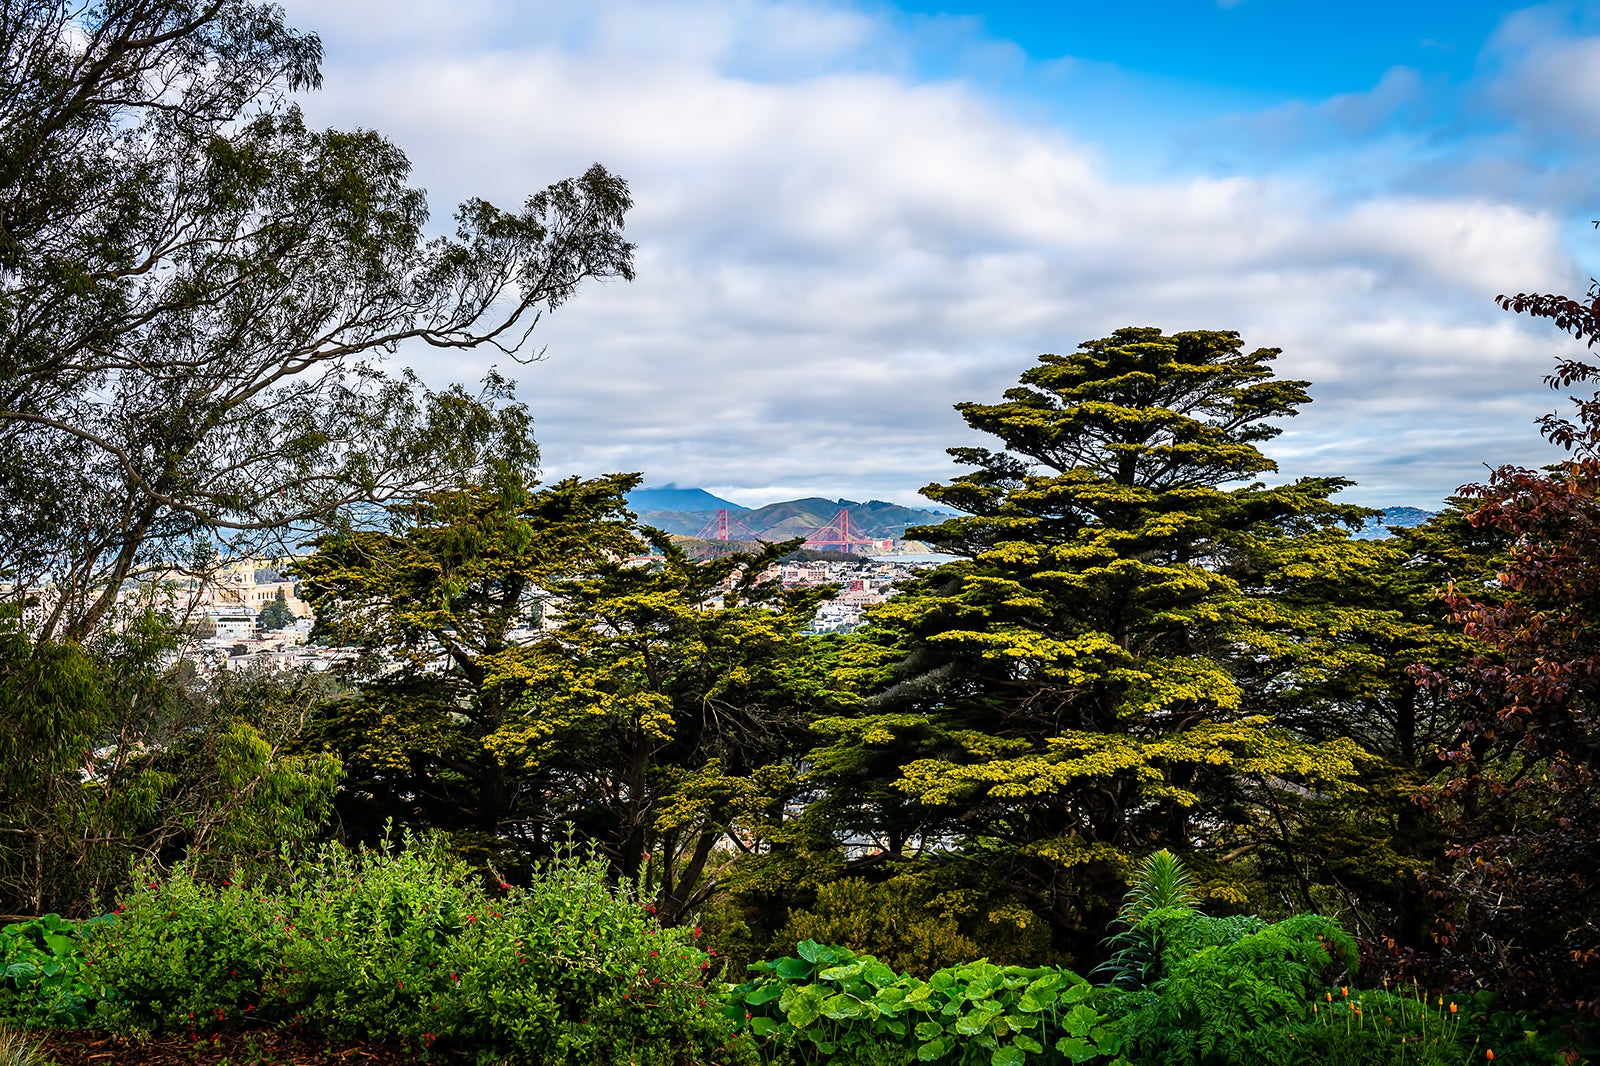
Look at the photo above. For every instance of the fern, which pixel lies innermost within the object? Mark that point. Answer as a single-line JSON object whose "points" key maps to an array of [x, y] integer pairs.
{"points": [[1201, 990]]}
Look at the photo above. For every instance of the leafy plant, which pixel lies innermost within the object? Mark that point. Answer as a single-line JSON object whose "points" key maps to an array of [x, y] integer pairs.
{"points": [[42, 974], [1162, 884], [829, 1005], [1229, 987], [404, 944]]}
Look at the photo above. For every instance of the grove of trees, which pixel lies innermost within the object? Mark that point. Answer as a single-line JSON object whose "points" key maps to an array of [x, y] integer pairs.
{"points": [[1147, 641]]}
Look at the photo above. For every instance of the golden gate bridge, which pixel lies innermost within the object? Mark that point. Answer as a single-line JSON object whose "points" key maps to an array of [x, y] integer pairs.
{"points": [[834, 536]]}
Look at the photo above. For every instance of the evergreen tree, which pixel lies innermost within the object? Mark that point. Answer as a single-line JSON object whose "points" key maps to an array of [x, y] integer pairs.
{"points": [[1067, 695], [526, 677], [276, 614]]}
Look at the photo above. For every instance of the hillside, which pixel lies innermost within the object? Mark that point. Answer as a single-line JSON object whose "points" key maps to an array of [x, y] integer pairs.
{"points": [[1405, 517], [792, 518], [670, 497]]}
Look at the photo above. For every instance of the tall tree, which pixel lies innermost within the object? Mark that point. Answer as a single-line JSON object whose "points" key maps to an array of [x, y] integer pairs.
{"points": [[1345, 625], [1076, 669], [527, 676], [195, 288], [435, 604], [1523, 798]]}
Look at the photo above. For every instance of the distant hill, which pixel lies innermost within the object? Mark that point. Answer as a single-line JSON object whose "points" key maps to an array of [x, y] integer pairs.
{"points": [[671, 498], [789, 518], [1404, 517]]}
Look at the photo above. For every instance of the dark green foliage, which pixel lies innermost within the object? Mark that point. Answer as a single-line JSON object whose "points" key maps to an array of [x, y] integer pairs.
{"points": [[42, 976], [276, 614], [522, 676], [829, 1005], [113, 752], [404, 944], [1229, 986]]}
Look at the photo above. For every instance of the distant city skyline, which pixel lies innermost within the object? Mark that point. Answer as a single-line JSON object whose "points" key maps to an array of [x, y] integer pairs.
{"points": [[851, 216]]}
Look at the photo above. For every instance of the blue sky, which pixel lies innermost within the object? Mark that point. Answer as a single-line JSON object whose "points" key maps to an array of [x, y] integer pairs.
{"points": [[851, 216]]}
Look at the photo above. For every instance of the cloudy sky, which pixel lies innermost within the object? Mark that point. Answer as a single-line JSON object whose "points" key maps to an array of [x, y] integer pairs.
{"points": [[852, 215]]}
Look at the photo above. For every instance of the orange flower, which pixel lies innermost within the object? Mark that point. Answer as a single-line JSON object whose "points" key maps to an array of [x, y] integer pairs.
{"points": [[1330, 997], [1345, 991], [1452, 1008], [1490, 1054]]}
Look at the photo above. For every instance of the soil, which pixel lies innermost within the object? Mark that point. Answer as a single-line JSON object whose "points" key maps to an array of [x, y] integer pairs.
{"points": [[88, 1047]]}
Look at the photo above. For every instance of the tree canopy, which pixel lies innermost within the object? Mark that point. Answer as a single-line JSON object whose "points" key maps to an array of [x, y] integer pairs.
{"points": [[1068, 694], [197, 288]]}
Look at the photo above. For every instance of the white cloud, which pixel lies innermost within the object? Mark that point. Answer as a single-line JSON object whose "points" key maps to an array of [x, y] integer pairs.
{"points": [[831, 257]]}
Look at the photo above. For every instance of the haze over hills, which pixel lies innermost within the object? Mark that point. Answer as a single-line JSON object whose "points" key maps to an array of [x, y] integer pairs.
{"points": [[690, 511], [685, 511]]}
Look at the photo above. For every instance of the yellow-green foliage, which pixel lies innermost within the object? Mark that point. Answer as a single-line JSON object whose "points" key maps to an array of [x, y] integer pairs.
{"points": [[909, 923], [1072, 692]]}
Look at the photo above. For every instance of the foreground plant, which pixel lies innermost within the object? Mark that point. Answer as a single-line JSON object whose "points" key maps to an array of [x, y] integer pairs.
{"points": [[16, 1049], [829, 1005], [42, 976], [404, 944]]}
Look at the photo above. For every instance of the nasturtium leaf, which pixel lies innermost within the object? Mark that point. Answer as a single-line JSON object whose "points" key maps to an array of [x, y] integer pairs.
{"points": [[841, 973], [934, 1050], [791, 969], [878, 975], [1076, 1048], [763, 994], [1080, 1019], [841, 1006], [929, 1030]]}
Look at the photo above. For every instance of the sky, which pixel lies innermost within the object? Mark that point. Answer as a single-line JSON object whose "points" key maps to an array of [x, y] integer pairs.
{"points": [[851, 216]]}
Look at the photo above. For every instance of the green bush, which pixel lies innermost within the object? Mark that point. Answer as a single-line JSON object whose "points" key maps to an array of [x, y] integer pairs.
{"points": [[404, 944], [1230, 988], [42, 975], [831, 1006]]}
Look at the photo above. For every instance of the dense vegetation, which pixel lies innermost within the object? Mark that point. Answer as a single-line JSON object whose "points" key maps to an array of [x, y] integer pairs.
{"points": [[1166, 766]]}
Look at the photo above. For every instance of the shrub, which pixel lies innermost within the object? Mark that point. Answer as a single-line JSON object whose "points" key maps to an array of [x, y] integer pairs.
{"points": [[42, 976], [831, 1006], [1230, 987], [912, 923], [404, 944]]}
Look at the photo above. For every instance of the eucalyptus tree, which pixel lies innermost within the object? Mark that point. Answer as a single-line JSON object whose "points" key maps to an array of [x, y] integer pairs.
{"points": [[196, 290]]}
